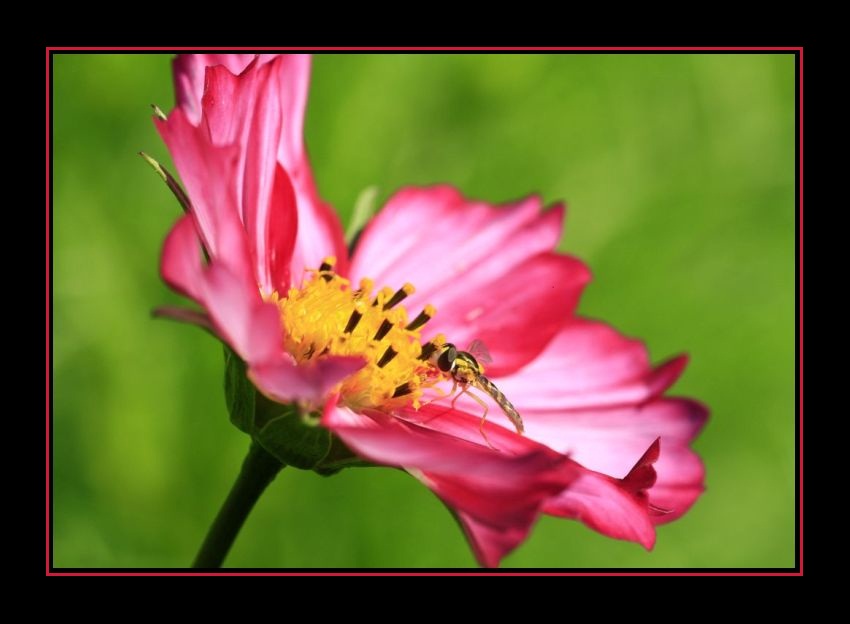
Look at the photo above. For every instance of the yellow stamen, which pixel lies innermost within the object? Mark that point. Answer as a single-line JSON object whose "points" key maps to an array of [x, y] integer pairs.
{"points": [[326, 317]]}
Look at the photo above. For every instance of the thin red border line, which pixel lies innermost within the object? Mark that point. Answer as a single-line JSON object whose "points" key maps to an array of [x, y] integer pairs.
{"points": [[438, 48], [800, 398], [47, 306], [48, 51], [506, 573]]}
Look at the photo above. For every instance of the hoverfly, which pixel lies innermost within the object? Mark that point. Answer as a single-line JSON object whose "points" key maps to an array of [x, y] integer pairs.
{"points": [[465, 371]]}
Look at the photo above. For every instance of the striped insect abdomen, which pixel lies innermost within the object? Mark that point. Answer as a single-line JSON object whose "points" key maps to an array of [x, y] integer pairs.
{"points": [[507, 407]]}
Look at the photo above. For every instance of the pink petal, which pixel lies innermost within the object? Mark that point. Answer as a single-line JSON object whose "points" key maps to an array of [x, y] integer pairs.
{"points": [[189, 71], [260, 165], [463, 425], [608, 439], [486, 268], [246, 110], [319, 230], [516, 314], [208, 173], [422, 226], [592, 393], [681, 481], [204, 171], [588, 364], [180, 266], [284, 381], [604, 505], [246, 323], [491, 544], [643, 476], [228, 103], [293, 85], [234, 307], [607, 442], [262, 111], [434, 238], [674, 500], [497, 495], [238, 315], [495, 518], [529, 240], [229, 165], [392, 441], [272, 131], [281, 231]]}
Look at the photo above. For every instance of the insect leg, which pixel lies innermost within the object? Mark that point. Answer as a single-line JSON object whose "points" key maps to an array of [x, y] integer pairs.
{"points": [[458, 395], [451, 392], [483, 416], [442, 394]]}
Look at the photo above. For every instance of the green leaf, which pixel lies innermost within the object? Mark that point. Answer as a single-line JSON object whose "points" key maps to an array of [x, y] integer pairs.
{"points": [[364, 208], [339, 456], [294, 439], [239, 392]]}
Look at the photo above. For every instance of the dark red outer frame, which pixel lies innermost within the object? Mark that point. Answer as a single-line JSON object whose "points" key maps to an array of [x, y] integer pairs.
{"points": [[48, 299]]}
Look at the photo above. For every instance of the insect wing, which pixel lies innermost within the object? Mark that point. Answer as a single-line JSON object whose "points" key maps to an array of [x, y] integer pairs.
{"points": [[479, 351]]}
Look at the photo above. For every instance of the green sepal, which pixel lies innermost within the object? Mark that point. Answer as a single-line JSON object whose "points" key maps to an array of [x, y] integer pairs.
{"points": [[339, 456], [291, 436], [295, 439], [239, 393]]}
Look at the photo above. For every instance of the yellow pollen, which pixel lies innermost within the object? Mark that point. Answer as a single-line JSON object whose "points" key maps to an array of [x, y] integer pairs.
{"points": [[326, 316]]}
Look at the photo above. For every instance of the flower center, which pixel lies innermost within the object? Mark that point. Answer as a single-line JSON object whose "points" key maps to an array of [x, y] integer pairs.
{"points": [[326, 317]]}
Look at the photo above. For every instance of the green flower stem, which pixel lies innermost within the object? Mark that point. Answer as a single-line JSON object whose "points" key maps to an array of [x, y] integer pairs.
{"points": [[258, 470]]}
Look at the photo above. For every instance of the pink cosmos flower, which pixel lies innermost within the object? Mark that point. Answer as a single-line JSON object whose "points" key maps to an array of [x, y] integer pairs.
{"points": [[601, 444]]}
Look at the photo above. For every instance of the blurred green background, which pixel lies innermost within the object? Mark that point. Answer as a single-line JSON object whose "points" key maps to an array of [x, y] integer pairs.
{"points": [[679, 175]]}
